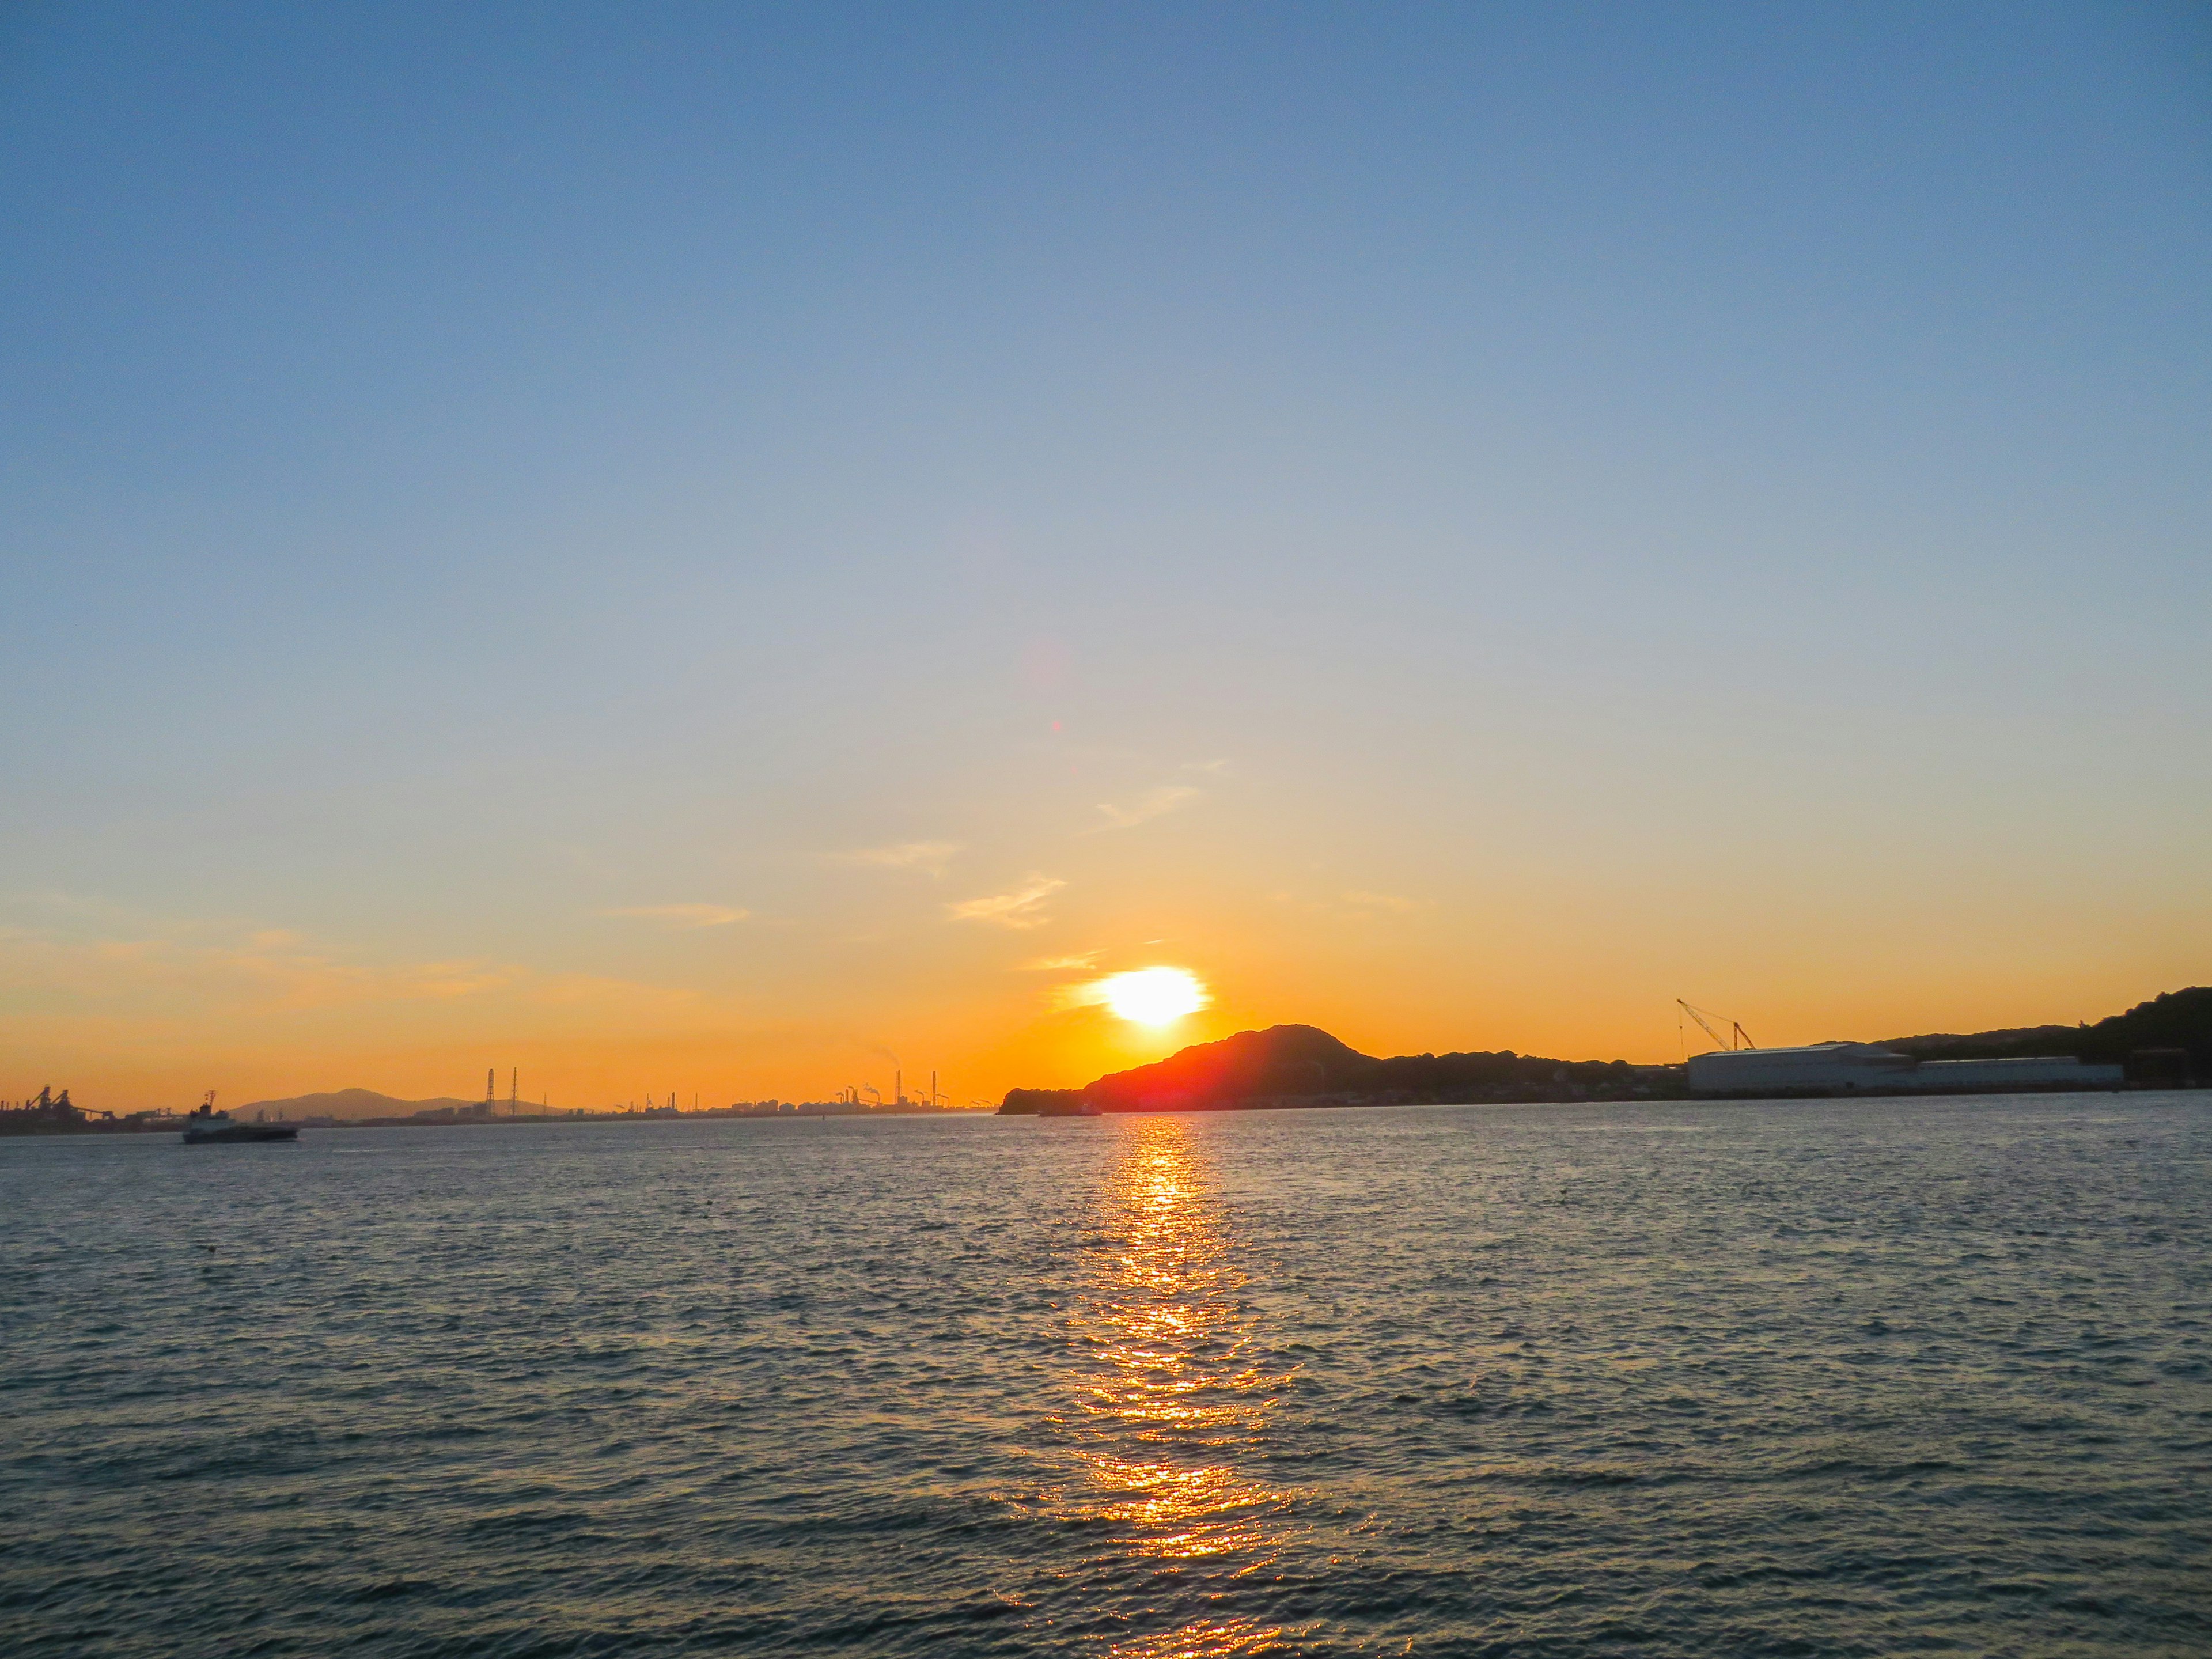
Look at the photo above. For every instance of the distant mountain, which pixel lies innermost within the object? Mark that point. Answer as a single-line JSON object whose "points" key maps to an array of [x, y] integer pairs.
{"points": [[348, 1103]]}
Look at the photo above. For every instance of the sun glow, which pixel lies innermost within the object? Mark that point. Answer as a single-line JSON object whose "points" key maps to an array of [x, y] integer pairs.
{"points": [[1153, 996], [1168, 1405]]}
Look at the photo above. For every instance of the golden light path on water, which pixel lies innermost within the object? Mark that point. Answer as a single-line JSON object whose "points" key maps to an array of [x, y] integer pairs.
{"points": [[1173, 1400]]}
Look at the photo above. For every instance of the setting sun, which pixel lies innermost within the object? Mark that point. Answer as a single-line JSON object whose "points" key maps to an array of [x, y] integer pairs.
{"points": [[1153, 996]]}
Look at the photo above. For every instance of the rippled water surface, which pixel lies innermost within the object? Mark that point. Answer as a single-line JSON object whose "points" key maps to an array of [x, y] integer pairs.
{"points": [[1866, 1378]]}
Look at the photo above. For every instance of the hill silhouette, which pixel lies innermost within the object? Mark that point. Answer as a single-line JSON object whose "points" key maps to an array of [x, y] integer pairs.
{"points": [[348, 1103], [1284, 1060], [1303, 1065]]}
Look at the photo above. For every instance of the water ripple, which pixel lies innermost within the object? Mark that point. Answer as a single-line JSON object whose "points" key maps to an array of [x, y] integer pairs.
{"points": [[1852, 1379]]}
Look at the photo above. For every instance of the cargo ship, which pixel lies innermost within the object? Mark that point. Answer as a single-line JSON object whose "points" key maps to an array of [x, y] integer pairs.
{"points": [[206, 1127]]}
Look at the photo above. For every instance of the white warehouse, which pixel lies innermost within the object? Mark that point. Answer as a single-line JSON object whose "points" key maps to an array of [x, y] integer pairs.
{"points": [[1841, 1068]]}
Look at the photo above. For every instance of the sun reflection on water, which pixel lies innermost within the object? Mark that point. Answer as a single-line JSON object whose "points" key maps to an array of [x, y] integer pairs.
{"points": [[1170, 1406]]}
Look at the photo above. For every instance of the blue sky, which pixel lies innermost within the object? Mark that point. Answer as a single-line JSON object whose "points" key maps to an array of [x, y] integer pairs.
{"points": [[1703, 501]]}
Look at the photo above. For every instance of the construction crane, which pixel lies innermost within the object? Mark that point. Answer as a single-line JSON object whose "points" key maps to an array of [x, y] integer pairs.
{"points": [[1738, 1038]]}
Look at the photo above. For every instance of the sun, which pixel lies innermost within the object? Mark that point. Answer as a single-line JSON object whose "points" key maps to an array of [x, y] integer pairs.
{"points": [[1153, 996]]}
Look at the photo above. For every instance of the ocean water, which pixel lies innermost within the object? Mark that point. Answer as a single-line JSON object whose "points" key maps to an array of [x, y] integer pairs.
{"points": [[1909, 1376]]}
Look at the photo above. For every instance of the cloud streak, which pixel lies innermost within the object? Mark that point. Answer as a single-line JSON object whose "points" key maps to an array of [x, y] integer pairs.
{"points": [[930, 857], [1112, 987], [1152, 804], [1022, 908], [684, 917], [1390, 902], [269, 972], [1084, 963]]}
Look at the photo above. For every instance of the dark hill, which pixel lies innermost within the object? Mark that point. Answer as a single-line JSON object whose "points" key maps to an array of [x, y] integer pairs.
{"points": [[2172, 1019], [1283, 1060], [1304, 1064]]}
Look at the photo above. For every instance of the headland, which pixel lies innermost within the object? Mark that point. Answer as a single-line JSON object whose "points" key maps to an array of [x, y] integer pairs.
{"points": [[2164, 1043]]}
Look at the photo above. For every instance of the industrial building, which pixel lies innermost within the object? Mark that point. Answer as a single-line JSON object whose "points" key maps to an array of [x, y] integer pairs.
{"points": [[2058, 1072], [1843, 1068]]}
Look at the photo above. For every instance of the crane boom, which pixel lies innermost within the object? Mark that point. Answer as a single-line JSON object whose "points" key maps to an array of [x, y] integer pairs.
{"points": [[1700, 1018], [1737, 1038]]}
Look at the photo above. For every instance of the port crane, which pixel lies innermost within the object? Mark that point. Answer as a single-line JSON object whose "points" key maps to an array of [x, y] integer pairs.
{"points": [[1737, 1037]]}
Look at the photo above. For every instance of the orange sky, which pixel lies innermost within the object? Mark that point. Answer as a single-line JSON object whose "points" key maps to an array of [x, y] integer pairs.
{"points": [[794, 1005], [735, 558]]}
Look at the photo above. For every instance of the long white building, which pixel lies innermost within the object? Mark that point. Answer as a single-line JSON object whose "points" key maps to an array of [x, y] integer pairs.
{"points": [[1843, 1068]]}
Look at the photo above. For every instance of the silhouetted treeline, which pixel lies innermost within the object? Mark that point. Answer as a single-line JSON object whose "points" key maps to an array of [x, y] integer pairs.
{"points": [[2172, 1019]]}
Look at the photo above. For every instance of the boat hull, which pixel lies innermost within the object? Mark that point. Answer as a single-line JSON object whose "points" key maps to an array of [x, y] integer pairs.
{"points": [[233, 1134]]}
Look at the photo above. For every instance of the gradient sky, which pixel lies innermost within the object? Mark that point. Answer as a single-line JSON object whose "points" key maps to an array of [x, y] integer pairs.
{"points": [[725, 549]]}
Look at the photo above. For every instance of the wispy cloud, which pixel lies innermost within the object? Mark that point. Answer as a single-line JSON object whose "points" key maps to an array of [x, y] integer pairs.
{"points": [[450, 979], [1081, 963], [1390, 902], [1156, 995], [1022, 908], [270, 970], [1215, 768], [929, 856], [176, 985], [683, 916], [622, 999], [1150, 804]]}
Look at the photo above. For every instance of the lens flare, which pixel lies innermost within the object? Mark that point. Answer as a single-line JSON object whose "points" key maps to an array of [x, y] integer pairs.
{"points": [[1153, 996]]}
